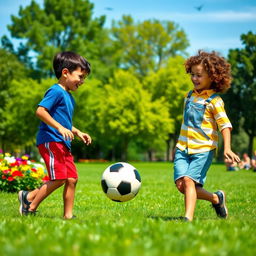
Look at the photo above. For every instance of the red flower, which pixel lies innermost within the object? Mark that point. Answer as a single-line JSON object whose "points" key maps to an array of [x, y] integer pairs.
{"points": [[33, 170], [24, 162], [17, 173], [10, 179], [45, 178], [14, 164], [3, 177]]}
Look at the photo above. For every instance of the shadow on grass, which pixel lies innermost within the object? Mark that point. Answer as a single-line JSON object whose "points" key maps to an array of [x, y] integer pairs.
{"points": [[168, 218]]}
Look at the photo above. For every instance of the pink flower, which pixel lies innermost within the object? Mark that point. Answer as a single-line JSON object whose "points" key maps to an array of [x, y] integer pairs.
{"points": [[6, 171]]}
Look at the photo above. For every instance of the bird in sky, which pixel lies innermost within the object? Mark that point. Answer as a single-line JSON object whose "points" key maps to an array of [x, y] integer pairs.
{"points": [[199, 8], [108, 8]]}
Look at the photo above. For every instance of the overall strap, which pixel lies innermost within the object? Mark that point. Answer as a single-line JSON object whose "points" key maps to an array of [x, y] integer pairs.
{"points": [[189, 94], [211, 98]]}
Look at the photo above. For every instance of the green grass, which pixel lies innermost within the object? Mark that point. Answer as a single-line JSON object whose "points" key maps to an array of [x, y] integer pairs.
{"points": [[141, 226]]}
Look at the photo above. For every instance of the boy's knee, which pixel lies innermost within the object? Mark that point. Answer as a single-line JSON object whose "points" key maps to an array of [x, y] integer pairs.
{"points": [[179, 185], [188, 181], [72, 181]]}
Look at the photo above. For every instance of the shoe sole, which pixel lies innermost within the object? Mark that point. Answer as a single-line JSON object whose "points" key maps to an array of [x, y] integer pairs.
{"points": [[224, 203], [21, 203]]}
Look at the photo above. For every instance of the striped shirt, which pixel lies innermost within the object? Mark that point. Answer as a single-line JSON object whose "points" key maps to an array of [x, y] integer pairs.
{"points": [[214, 118]]}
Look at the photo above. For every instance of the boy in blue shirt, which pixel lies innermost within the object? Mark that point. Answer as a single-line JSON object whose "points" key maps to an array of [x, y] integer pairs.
{"points": [[56, 133]]}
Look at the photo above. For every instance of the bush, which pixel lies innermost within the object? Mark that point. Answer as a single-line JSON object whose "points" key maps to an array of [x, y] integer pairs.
{"points": [[20, 173]]}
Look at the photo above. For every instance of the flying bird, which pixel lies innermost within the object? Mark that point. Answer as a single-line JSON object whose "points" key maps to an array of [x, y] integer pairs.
{"points": [[199, 8], [109, 9]]}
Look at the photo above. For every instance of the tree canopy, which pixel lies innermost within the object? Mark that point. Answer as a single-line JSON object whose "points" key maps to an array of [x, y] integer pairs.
{"points": [[60, 25], [146, 46], [242, 97]]}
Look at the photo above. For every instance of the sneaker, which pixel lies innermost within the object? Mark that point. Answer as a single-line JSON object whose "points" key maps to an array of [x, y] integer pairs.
{"points": [[220, 208], [72, 218], [30, 213], [184, 219], [24, 203]]}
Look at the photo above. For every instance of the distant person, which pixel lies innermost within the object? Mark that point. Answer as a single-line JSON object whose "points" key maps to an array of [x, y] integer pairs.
{"points": [[253, 161], [56, 132], [245, 162], [231, 166], [203, 114]]}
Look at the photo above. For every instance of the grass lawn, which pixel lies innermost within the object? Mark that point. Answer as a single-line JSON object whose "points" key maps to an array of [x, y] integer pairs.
{"points": [[142, 226]]}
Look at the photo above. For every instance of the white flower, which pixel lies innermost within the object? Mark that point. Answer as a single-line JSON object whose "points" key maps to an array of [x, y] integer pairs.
{"points": [[10, 159]]}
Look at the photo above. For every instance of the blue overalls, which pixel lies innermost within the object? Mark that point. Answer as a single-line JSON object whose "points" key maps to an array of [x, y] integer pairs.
{"points": [[194, 113], [194, 166]]}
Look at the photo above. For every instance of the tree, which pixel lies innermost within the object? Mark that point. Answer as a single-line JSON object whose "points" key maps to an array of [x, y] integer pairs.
{"points": [[241, 100], [62, 25], [127, 112], [11, 69], [146, 46], [170, 83], [20, 122]]}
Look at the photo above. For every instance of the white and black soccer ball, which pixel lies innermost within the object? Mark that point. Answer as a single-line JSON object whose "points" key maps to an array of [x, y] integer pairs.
{"points": [[121, 182]]}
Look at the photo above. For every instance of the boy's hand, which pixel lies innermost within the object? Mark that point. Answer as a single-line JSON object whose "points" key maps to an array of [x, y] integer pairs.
{"points": [[86, 138], [231, 156], [66, 133]]}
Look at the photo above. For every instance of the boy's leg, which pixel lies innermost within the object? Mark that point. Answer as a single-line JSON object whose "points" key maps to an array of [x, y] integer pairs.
{"points": [[218, 200], [190, 197], [201, 193], [44, 191], [69, 197], [32, 194], [205, 195]]}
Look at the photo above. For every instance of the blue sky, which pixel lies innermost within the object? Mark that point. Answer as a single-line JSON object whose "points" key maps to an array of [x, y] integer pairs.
{"points": [[217, 26]]}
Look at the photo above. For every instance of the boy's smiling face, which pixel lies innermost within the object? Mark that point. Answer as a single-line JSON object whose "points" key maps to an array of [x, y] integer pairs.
{"points": [[200, 78], [72, 80]]}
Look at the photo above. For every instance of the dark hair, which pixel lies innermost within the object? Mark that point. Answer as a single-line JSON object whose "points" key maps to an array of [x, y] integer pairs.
{"points": [[218, 69], [71, 61]]}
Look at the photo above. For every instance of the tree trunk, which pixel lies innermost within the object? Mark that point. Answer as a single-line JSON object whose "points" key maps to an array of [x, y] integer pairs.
{"points": [[250, 146], [150, 155], [168, 149]]}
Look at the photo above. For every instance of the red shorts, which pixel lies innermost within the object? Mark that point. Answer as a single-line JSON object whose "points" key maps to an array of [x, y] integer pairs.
{"points": [[58, 160]]}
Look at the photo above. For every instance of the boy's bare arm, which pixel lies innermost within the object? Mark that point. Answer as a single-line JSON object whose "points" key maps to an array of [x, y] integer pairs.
{"points": [[228, 153], [43, 114]]}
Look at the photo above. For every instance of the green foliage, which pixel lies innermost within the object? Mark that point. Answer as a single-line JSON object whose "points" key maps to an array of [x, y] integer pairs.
{"points": [[142, 226], [61, 26], [170, 83], [19, 112], [146, 46], [11, 69], [127, 111], [243, 91]]}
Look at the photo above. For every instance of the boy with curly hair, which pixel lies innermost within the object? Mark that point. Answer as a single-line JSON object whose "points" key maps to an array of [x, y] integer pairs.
{"points": [[204, 114]]}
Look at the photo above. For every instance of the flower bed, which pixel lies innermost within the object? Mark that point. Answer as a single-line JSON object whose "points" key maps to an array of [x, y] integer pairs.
{"points": [[20, 173]]}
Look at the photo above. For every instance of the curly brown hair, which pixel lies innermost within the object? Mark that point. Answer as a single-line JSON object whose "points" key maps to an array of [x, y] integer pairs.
{"points": [[218, 69]]}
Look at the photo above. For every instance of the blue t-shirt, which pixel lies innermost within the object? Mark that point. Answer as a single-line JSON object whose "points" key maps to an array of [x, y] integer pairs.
{"points": [[60, 105]]}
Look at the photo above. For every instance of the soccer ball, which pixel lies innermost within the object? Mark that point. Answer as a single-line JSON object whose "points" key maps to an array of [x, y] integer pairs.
{"points": [[121, 182]]}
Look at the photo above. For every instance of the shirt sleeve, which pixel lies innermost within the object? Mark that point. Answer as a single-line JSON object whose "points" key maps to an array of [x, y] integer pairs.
{"points": [[50, 99], [220, 115]]}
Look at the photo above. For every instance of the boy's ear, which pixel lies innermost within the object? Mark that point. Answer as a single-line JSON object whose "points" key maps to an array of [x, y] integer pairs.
{"points": [[64, 72]]}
